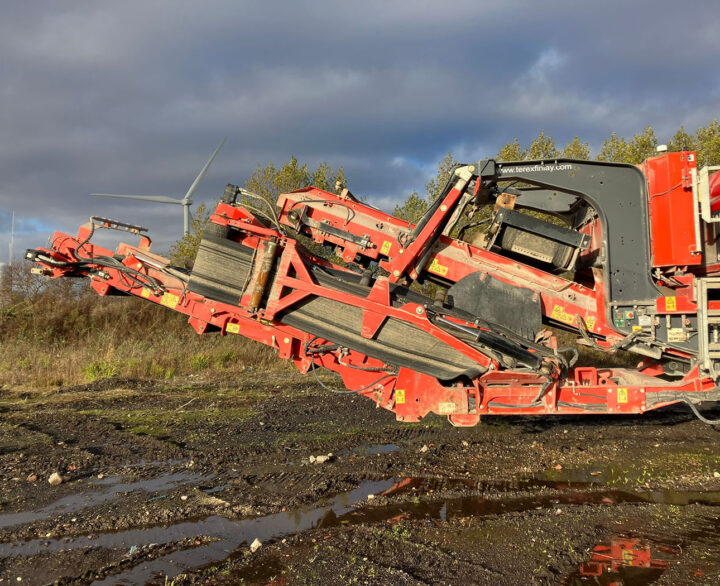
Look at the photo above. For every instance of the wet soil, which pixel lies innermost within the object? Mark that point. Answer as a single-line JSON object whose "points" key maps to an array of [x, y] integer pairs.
{"points": [[172, 482]]}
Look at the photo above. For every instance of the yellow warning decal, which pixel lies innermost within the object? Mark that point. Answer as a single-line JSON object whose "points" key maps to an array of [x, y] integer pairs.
{"points": [[145, 292], [559, 314], [622, 396], [169, 300], [385, 248], [637, 328], [437, 268], [671, 304], [399, 396], [233, 328]]}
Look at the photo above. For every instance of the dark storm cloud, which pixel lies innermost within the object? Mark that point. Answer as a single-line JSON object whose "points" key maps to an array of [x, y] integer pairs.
{"points": [[133, 96]]}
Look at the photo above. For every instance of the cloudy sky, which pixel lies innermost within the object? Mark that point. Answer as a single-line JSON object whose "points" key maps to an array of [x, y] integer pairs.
{"points": [[133, 96]]}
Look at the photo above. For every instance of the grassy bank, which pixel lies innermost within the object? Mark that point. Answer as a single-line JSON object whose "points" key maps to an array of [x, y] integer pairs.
{"points": [[61, 333]]}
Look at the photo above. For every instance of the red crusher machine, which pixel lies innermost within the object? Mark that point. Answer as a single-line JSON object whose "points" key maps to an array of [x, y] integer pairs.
{"points": [[624, 258]]}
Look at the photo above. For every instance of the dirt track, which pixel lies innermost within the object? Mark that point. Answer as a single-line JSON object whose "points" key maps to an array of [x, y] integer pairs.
{"points": [[177, 480]]}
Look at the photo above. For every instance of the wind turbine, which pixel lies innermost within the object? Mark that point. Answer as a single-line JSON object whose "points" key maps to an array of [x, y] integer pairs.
{"points": [[186, 202]]}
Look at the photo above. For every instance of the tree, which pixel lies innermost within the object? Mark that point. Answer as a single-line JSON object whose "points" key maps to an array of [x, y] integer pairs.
{"points": [[326, 179], [412, 208], [267, 181], [576, 150], [708, 144], [512, 151], [543, 147], [614, 149], [185, 249], [642, 147], [434, 187], [682, 141]]}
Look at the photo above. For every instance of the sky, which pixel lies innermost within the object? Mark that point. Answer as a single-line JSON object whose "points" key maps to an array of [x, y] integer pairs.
{"points": [[133, 96]]}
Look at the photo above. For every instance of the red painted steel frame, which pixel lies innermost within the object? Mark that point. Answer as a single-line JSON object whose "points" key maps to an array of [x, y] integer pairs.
{"points": [[411, 395]]}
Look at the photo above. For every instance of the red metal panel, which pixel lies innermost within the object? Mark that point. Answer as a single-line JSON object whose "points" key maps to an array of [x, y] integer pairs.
{"points": [[672, 210]]}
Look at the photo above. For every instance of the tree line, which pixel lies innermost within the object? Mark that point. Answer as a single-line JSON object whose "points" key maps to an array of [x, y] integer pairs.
{"points": [[705, 141], [270, 180]]}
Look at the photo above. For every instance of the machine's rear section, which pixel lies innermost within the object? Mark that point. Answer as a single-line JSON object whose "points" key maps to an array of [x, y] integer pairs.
{"points": [[482, 307]]}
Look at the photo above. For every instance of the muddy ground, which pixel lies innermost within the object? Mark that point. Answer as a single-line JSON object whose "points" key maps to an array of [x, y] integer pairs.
{"points": [[172, 482]]}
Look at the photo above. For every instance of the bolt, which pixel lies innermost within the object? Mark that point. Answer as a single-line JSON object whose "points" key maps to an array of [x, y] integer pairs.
{"points": [[443, 208], [396, 273], [419, 310], [286, 340]]}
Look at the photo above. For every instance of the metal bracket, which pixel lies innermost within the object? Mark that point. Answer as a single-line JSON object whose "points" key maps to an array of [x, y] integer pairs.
{"points": [[325, 227]]}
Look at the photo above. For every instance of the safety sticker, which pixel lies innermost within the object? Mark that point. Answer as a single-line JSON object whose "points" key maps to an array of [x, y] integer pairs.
{"points": [[447, 408], [677, 335], [169, 300], [437, 268], [399, 396], [671, 304], [233, 328], [559, 314], [145, 292], [622, 395], [646, 321], [385, 248]]}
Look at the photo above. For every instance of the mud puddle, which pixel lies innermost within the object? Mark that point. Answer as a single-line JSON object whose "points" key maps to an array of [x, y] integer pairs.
{"points": [[626, 559], [227, 535], [111, 486]]}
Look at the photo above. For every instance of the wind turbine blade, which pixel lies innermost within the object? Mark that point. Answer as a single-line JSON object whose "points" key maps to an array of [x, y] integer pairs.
{"points": [[200, 176], [155, 198]]}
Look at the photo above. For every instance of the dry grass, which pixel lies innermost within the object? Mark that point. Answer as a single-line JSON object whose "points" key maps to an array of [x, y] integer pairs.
{"points": [[60, 333]]}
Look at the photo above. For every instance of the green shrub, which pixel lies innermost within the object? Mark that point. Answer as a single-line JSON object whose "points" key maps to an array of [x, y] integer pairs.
{"points": [[199, 362], [100, 369]]}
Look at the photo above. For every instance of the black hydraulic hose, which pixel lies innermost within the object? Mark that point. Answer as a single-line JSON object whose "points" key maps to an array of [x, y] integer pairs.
{"points": [[699, 415], [670, 396], [495, 341], [309, 349]]}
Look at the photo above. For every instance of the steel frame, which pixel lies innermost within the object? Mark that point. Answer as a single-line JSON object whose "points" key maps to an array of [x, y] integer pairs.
{"points": [[411, 395]]}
